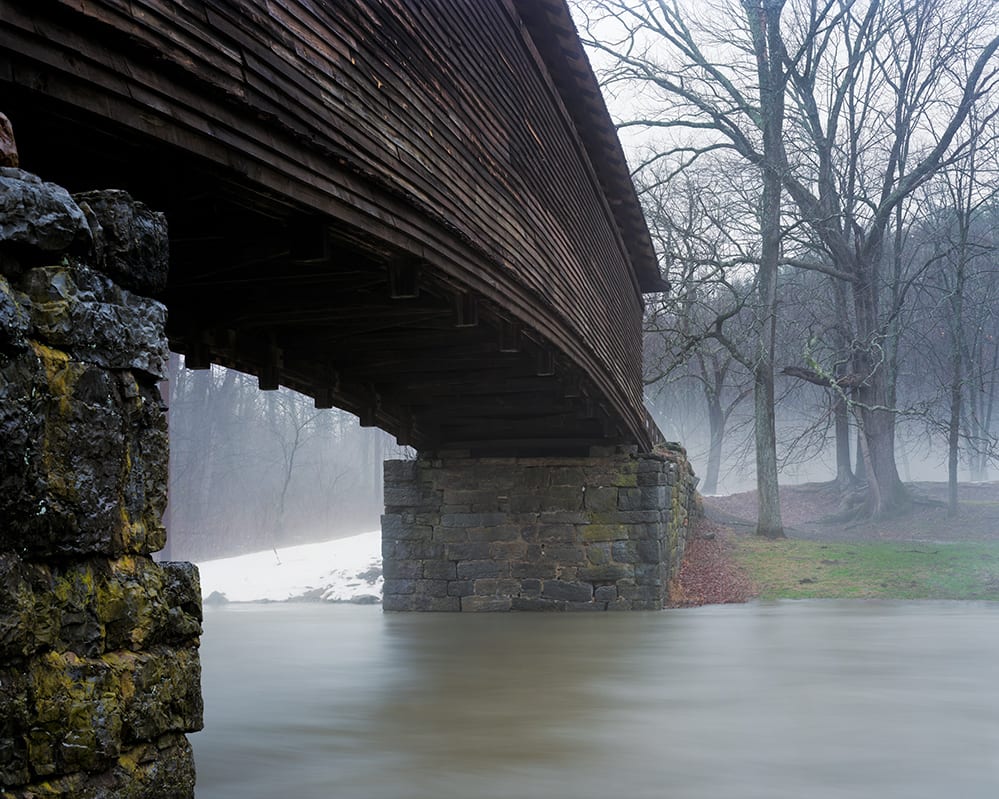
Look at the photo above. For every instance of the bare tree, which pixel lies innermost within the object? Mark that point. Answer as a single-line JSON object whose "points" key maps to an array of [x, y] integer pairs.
{"points": [[877, 97]]}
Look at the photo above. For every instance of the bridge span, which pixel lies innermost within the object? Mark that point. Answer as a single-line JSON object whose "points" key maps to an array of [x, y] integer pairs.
{"points": [[416, 211]]}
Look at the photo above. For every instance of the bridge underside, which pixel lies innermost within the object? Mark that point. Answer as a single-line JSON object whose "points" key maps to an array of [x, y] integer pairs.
{"points": [[311, 302]]}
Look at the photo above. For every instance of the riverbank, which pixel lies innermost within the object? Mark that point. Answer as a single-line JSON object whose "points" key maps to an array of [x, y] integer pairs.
{"points": [[923, 555]]}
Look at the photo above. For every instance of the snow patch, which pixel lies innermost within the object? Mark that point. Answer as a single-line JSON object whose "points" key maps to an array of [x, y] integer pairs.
{"points": [[342, 570]]}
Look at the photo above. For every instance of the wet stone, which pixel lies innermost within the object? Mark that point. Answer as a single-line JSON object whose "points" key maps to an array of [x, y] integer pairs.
{"points": [[84, 313], [37, 215], [129, 239]]}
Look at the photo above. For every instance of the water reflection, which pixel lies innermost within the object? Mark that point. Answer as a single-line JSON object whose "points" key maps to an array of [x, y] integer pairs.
{"points": [[806, 699]]}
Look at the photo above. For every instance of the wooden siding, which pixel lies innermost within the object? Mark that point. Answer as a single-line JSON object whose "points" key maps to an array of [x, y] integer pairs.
{"points": [[437, 126]]}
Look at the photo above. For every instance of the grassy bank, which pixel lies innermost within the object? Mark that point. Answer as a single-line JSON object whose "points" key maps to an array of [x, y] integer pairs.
{"points": [[797, 569]]}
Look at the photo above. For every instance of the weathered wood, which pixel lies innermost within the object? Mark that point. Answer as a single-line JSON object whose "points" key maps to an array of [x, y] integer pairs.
{"points": [[467, 136]]}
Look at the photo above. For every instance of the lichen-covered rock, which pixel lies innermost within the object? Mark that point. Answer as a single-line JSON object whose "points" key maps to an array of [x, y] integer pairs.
{"points": [[84, 313], [162, 690], [162, 769], [29, 616], [76, 723], [142, 603], [14, 715], [83, 458], [38, 215], [130, 239], [85, 714]]}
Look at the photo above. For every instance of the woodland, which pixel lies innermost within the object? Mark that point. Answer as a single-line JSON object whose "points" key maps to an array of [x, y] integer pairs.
{"points": [[820, 179]]}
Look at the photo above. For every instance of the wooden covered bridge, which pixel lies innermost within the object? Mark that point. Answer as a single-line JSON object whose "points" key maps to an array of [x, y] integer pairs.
{"points": [[415, 211]]}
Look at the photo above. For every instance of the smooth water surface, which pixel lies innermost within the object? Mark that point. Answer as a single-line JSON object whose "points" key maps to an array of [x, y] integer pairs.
{"points": [[792, 699]]}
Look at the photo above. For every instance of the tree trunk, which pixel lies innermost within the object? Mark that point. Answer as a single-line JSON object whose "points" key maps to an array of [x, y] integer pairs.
{"points": [[768, 522], [887, 495], [764, 22], [716, 426], [844, 470]]}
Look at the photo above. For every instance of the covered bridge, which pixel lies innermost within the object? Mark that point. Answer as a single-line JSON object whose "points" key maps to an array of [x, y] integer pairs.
{"points": [[416, 211]]}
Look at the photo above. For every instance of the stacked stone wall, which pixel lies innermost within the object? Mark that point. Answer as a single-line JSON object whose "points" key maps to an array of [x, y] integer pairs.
{"points": [[603, 532], [99, 668]]}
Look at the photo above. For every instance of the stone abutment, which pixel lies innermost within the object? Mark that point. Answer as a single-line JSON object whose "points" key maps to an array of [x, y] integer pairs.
{"points": [[603, 532], [99, 668]]}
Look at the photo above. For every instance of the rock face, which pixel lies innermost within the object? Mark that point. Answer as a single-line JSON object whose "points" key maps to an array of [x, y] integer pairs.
{"points": [[99, 669]]}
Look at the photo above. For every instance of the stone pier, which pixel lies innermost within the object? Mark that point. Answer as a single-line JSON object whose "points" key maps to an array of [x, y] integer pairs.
{"points": [[603, 532], [99, 668]]}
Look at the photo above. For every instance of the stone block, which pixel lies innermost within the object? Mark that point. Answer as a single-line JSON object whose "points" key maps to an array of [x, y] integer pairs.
{"points": [[83, 458], [397, 602], [129, 239], [569, 591], [486, 604], [571, 477], [450, 535], [394, 587], [531, 587], [472, 519], [139, 603], [601, 498], [36, 215], [598, 554], [76, 724], [400, 471], [476, 569], [29, 615], [496, 586], [412, 550], [84, 313], [499, 532], [605, 532], [460, 588], [431, 588], [549, 533], [565, 554], [403, 569], [611, 572], [473, 550], [646, 595], [649, 573], [483, 501], [433, 604], [535, 604], [527, 503], [652, 478], [605, 593], [508, 550], [533, 569], [404, 495], [182, 596], [650, 551], [585, 607], [440, 570], [162, 689], [625, 551], [564, 517]]}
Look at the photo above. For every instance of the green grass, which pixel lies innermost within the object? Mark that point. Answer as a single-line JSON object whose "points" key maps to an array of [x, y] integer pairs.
{"points": [[795, 569]]}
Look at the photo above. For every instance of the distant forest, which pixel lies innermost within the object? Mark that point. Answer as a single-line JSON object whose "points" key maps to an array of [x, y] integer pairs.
{"points": [[252, 469]]}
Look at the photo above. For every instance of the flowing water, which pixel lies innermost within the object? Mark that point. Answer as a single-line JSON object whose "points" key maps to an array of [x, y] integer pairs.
{"points": [[811, 700]]}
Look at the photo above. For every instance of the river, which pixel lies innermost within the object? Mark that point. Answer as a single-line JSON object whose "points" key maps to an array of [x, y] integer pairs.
{"points": [[811, 700]]}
